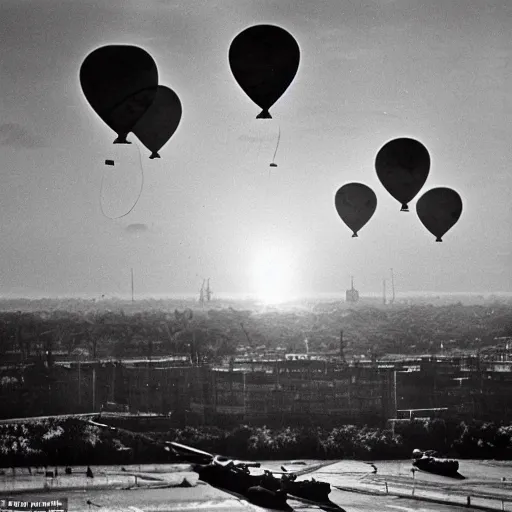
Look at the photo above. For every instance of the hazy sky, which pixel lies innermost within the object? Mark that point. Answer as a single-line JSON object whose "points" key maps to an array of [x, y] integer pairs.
{"points": [[370, 71]]}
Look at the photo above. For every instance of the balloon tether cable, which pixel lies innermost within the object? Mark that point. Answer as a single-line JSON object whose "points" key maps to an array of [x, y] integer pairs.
{"points": [[273, 164], [138, 196]]}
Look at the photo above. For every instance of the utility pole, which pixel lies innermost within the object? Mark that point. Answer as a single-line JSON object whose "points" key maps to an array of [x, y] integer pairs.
{"points": [[93, 388], [132, 283], [113, 397], [384, 291], [395, 396], [392, 287], [79, 384], [342, 348], [245, 394]]}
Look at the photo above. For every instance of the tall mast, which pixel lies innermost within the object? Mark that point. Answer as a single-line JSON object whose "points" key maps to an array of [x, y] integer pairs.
{"points": [[132, 283], [352, 282], [384, 291], [392, 287]]}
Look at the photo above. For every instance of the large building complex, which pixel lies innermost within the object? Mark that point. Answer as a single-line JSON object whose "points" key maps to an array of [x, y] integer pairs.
{"points": [[313, 388]]}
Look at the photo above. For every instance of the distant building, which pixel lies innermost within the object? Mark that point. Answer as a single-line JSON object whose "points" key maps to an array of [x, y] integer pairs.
{"points": [[295, 357], [292, 391], [305, 357], [267, 386], [352, 295]]}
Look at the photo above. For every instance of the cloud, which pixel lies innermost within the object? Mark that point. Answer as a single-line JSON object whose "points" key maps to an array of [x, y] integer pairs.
{"points": [[137, 228], [15, 135]]}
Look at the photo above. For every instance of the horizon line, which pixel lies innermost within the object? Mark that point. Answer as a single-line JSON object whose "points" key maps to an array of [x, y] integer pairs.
{"points": [[248, 296]]}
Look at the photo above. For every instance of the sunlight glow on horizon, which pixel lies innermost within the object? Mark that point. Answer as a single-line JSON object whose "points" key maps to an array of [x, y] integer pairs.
{"points": [[273, 274]]}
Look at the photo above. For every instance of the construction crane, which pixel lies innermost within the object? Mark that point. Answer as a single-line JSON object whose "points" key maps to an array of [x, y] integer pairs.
{"points": [[209, 291], [201, 295]]}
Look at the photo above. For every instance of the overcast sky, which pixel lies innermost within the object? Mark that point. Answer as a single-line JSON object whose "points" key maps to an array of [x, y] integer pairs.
{"points": [[370, 71]]}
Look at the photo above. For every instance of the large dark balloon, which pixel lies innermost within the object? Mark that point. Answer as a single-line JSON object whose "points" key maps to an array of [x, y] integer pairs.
{"points": [[355, 203], [119, 82], [402, 166], [160, 121], [264, 60], [439, 209]]}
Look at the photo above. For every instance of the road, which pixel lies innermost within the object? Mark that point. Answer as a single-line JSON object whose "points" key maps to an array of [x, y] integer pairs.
{"points": [[203, 498]]}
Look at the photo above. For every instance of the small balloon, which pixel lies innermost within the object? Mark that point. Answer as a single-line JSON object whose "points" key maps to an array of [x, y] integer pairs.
{"points": [[160, 122], [439, 209], [402, 166], [355, 203], [264, 60], [119, 82]]}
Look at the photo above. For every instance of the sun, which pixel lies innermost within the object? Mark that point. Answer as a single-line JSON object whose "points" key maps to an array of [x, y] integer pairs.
{"points": [[273, 273]]}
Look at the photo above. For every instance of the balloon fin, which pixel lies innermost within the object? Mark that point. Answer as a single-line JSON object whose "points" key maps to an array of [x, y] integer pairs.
{"points": [[405, 207], [264, 114], [438, 239], [109, 162], [355, 235], [154, 155]]}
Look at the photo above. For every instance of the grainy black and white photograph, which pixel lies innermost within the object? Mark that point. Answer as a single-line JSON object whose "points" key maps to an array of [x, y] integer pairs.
{"points": [[256, 255]]}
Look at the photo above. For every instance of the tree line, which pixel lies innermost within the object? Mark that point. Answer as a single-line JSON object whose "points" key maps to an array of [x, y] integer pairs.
{"points": [[74, 442], [210, 335]]}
